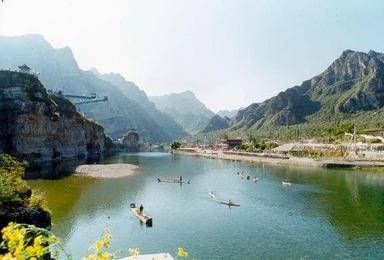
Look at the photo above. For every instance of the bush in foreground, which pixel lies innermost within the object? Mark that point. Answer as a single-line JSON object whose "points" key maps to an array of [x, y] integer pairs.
{"points": [[21, 241]]}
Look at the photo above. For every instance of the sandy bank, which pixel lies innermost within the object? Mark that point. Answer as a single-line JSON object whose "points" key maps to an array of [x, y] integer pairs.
{"points": [[106, 170], [329, 163]]}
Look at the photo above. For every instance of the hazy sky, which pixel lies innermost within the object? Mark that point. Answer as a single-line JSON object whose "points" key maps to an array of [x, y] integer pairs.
{"points": [[231, 53]]}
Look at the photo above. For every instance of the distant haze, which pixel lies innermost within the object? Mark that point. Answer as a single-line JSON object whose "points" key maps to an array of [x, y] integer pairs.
{"points": [[230, 53]]}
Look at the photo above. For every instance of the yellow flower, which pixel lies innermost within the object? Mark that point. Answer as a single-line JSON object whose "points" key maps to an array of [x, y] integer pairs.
{"points": [[134, 251], [30, 250], [106, 256], [181, 252], [18, 244], [7, 256], [107, 237], [98, 246]]}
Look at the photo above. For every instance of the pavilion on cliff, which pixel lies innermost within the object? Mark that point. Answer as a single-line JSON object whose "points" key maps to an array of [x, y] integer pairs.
{"points": [[24, 68]]}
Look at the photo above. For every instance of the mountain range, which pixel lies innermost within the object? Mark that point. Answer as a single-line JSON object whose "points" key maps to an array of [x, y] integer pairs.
{"points": [[128, 107], [186, 109], [350, 89], [228, 113]]}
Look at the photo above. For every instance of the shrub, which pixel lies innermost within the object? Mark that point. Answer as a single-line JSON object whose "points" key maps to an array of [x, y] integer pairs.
{"points": [[37, 200], [175, 145], [13, 189]]}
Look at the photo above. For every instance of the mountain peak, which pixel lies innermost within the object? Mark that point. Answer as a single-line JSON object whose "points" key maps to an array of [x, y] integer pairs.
{"points": [[216, 123], [116, 76], [33, 39], [347, 52], [373, 53], [188, 93], [353, 82], [186, 109], [95, 71]]}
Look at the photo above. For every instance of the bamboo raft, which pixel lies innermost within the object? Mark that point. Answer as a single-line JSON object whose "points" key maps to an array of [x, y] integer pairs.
{"points": [[145, 219], [173, 181], [230, 204]]}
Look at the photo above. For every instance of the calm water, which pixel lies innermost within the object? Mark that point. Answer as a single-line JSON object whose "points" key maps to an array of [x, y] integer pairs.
{"points": [[324, 214]]}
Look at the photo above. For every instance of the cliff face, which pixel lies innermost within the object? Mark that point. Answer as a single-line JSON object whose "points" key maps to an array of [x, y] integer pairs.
{"points": [[59, 71], [352, 83], [42, 126]]}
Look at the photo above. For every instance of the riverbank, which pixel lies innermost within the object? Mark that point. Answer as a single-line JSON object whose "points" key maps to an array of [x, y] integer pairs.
{"points": [[279, 159], [106, 170]]}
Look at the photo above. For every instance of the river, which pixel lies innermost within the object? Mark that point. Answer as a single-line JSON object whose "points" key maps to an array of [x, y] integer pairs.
{"points": [[325, 213]]}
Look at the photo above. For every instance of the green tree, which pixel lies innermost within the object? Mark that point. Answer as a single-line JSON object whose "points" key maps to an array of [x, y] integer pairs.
{"points": [[13, 189], [175, 145]]}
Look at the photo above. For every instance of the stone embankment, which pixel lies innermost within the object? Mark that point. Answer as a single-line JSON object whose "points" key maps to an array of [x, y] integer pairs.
{"points": [[279, 159], [37, 125]]}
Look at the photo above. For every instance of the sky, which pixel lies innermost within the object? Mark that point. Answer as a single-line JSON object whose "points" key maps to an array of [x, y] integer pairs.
{"points": [[230, 53]]}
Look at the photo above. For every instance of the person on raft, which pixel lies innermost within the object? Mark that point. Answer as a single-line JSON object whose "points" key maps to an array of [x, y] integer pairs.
{"points": [[141, 208], [181, 178]]}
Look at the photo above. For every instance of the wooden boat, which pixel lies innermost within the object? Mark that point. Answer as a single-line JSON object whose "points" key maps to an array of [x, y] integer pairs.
{"points": [[147, 220], [285, 183], [231, 204], [173, 181]]}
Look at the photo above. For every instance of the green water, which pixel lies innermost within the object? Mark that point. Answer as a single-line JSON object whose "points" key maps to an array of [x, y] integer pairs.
{"points": [[324, 214]]}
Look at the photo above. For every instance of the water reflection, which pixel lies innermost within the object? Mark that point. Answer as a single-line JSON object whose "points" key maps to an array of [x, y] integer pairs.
{"points": [[54, 170], [353, 201], [341, 210]]}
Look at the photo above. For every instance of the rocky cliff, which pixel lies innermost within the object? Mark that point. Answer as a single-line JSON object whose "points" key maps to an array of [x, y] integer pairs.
{"points": [[352, 86], [37, 125], [59, 71]]}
